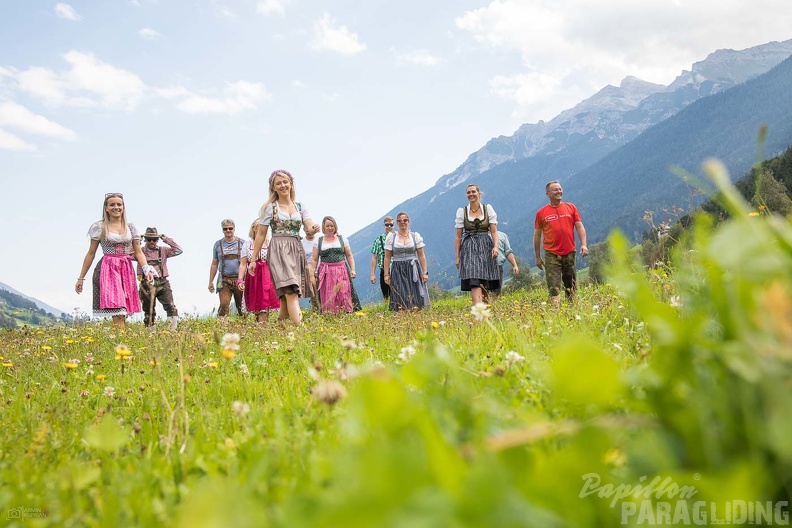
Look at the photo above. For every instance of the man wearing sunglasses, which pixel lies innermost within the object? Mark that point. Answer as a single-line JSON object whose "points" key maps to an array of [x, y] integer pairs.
{"points": [[378, 256], [226, 255], [157, 256]]}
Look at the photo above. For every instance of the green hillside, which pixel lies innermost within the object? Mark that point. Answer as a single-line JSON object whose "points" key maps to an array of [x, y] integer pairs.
{"points": [[16, 311]]}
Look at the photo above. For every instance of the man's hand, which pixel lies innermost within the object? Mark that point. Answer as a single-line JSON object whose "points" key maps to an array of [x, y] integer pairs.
{"points": [[539, 263], [584, 250]]}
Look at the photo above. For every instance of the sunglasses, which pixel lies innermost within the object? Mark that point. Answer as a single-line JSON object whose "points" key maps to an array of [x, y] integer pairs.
{"points": [[108, 195], [228, 229], [152, 239], [390, 224], [403, 220]]}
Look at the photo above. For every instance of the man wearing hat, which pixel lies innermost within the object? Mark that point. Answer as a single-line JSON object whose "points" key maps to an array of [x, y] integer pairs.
{"points": [[157, 256]]}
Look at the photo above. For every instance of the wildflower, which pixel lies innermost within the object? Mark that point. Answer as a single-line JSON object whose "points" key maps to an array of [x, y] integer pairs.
{"points": [[229, 354], [101, 377], [435, 324], [480, 311], [675, 301], [361, 314], [109, 392], [406, 353], [577, 317], [349, 344], [615, 457], [122, 351], [212, 364], [513, 357], [617, 346], [244, 369], [8, 364], [753, 213], [240, 408], [89, 372], [290, 336], [329, 392], [230, 342], [46, 347], [72, 363], [313, 374], [89, 358]]}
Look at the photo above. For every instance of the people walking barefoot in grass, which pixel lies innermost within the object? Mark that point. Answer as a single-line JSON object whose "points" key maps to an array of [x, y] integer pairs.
{"points": [[284, 215], [476, 246], [405, 267], [332, 256], [260, 296], [115, 289]]}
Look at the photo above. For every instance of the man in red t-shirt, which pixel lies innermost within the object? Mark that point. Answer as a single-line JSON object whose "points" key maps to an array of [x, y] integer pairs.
{"points": [[556, 222]]}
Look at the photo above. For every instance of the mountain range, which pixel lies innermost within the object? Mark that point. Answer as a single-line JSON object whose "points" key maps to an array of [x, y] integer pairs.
{"points": [[613, 153]]}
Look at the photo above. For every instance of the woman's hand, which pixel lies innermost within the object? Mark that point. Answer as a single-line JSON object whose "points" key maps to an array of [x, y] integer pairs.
{"points": [[373, 279], [457, 262], [240, 284], [252, 268], [352, 274], [494, 252], [424, 278], [150, 277], [79, 286], [387, 280]]}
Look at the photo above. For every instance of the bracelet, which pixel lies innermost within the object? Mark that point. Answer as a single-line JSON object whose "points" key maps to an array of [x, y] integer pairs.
{"points": [[81, 278]]}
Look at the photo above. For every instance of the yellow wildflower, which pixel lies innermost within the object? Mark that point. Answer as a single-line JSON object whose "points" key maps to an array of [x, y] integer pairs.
{"points": [[213, 364], [753, 213], [46, 347], [228, 353], [122, 351], [8, 364], [435, 324], [361, 314], [70, 365], [101, 377]]}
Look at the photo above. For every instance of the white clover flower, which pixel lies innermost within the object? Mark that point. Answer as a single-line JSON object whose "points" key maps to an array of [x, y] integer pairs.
{"points": [[230, 342], [109, 392], [290, 336], [243, 367], [329, 392], [513, 357], [349, 344], [240, 408], [577, 317], [406, 353], [480, 311], [675, 301], [595, 308]]}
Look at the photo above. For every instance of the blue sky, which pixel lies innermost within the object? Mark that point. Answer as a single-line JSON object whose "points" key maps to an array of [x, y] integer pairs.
{"points": [[186, 107]]}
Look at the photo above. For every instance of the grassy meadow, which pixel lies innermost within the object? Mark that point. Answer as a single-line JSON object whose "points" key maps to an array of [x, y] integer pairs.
{"points": [[521, 415]]}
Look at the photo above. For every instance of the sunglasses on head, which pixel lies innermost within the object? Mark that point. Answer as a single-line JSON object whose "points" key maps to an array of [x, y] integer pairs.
{"points": [[388, 224], [110, 195]]}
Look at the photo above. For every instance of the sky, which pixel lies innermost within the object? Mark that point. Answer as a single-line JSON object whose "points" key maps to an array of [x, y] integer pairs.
{"points": [[186, 107]]}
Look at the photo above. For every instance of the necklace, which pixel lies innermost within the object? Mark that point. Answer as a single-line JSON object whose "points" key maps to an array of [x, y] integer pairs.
{"points": [[477, 210]]}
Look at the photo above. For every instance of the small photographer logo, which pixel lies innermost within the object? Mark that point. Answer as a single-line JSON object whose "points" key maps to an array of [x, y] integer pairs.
{"points": [[663, 502], [25, 513]]}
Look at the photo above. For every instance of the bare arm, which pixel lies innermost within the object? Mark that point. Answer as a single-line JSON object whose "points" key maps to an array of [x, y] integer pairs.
{"points": [[141, 258], [538, 248], [581, 231], [422, 260], [212, 273], [314, 263], [261, 236], [350, 260], [87, 261], [386, 265], [513, 262], [373, 267], [494, 234], [457, 244]]}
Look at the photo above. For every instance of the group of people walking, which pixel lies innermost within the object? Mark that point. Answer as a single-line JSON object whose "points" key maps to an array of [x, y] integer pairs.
{"points": [[275, 266]]}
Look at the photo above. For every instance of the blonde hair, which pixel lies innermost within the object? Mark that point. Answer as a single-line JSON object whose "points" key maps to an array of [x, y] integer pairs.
{"points": [[254, 230], [106, 215], [335, 224], [273, 194]]}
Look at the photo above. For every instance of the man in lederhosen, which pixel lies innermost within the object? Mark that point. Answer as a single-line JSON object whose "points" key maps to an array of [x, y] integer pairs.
{"points": [[226, 255], [157, 256]]}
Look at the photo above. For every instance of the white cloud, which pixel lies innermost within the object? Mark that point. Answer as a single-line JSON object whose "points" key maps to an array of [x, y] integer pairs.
{"points": [[222, 10], [579, 46], [237, 97], [14, 115], [149, 34], [419, 57], [296, 83], [9, 141], [330, 37], [88, 83], [268, 7], [66, 12]]}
